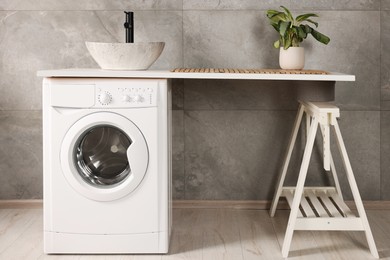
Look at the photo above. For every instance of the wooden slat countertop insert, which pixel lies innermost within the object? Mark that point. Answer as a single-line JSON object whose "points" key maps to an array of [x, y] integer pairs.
{"points": [[246, 71]]}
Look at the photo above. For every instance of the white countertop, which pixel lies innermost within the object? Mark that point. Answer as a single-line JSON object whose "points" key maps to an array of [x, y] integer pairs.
{"points": [[98, 73]]}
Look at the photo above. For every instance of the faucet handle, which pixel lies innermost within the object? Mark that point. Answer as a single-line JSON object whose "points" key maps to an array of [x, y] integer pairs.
{"points": [[129, 27]]}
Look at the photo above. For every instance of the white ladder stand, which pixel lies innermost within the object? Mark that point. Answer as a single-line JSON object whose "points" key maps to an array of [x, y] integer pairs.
{"points": [[320, 208]]}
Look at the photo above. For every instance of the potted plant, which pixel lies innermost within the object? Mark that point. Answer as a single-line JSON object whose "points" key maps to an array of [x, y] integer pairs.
{"points": [[292, 31]]}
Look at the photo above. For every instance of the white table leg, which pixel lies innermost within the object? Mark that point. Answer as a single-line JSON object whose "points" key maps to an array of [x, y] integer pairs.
{"points": [[308, 122], [286, 162], [355, 191], [299, 187]]}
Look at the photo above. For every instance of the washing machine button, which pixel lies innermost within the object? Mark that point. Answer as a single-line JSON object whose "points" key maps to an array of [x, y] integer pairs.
{"points": [[126, 98], [138, 98], [105, 98]]}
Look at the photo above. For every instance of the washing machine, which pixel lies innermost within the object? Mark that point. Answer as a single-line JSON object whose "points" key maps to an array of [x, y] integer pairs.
{"points": [[106, 145]]}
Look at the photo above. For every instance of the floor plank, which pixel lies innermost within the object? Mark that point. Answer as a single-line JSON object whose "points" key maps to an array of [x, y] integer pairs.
{"points": [[185, 243], [211, 234], [221, 238], [258, 238], [14, 224], [342, 245], [303, 245], [380, 226]]}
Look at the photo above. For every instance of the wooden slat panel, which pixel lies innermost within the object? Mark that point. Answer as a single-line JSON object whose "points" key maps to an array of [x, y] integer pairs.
{"points": [[317, 204], [306, 208], [341, 204], [329, 205]]}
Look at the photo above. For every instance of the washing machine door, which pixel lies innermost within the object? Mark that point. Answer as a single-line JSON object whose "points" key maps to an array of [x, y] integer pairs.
{"points": [[104, 156]]}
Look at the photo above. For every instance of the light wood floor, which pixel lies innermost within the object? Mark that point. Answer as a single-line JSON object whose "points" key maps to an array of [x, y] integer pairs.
{"points": [[212, 234]]}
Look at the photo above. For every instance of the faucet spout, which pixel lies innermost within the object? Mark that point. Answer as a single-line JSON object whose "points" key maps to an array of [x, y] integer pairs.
{"points": [[129, 27]]}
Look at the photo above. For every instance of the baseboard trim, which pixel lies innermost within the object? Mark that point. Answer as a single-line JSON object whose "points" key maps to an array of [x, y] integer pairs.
{"points": [[226, 204], [206, 204], [263, 204], [21, 204]]}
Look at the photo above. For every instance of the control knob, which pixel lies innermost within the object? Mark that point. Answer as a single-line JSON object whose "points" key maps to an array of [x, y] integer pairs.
{"points": [[126, 98], [105, 98], [138, 98]]}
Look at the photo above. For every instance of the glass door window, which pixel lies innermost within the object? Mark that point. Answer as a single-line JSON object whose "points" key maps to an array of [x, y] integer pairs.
{"points": [[101, 156]]}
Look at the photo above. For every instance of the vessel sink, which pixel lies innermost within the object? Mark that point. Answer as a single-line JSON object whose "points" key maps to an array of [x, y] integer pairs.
{"points": [[125, 56]]}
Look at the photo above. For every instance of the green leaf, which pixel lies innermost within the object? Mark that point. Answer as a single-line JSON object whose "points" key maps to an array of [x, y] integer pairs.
{"points": [[311, 21], [306, 28], [294, 30], [272, 12], [278, 17], [277, 44], [287, 42], [301, 33], [288, 14], [283, 26], [320, 37], [303, 17], [276, 26], [294, 36]]}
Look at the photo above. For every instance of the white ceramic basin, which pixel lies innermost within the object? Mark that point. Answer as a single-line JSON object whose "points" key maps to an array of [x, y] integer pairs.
{"points": [[125, 56]]}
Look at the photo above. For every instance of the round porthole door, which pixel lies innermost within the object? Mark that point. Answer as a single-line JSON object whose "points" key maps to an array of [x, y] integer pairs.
{"points": [[104, 156]]}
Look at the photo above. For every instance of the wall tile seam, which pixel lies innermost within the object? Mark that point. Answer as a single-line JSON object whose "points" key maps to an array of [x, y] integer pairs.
{"points": [[292, 10], [86, 10], [381, 192], [186, 10], [236, 110], [182, 39], [270, 110], [184, 154], [183, 100], [380, 103], [183, 113], [381, 195], [382, 109], [380, 59]]}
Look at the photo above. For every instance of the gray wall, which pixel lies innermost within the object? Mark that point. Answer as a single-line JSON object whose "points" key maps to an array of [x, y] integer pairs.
{"points": [[229, 136]]}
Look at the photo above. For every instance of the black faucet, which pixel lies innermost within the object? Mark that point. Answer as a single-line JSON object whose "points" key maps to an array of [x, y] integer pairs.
{"points": [[129, 27]]}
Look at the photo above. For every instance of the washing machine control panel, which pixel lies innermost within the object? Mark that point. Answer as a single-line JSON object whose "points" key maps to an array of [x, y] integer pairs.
{"points": [[125, 96]]}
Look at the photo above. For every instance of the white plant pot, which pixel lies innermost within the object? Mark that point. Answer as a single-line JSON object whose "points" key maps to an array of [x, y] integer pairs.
{"points": [[292, 59]]}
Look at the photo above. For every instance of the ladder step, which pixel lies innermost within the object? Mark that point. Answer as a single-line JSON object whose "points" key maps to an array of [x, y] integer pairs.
{"points": [[319, 202], [321, 212]]}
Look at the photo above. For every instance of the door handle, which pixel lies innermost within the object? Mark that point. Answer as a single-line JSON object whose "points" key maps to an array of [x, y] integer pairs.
{"points": [[137, 153]]}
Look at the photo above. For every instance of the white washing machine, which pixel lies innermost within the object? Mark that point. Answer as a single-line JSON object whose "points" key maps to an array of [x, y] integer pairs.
{"points": [[107, 170]]}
